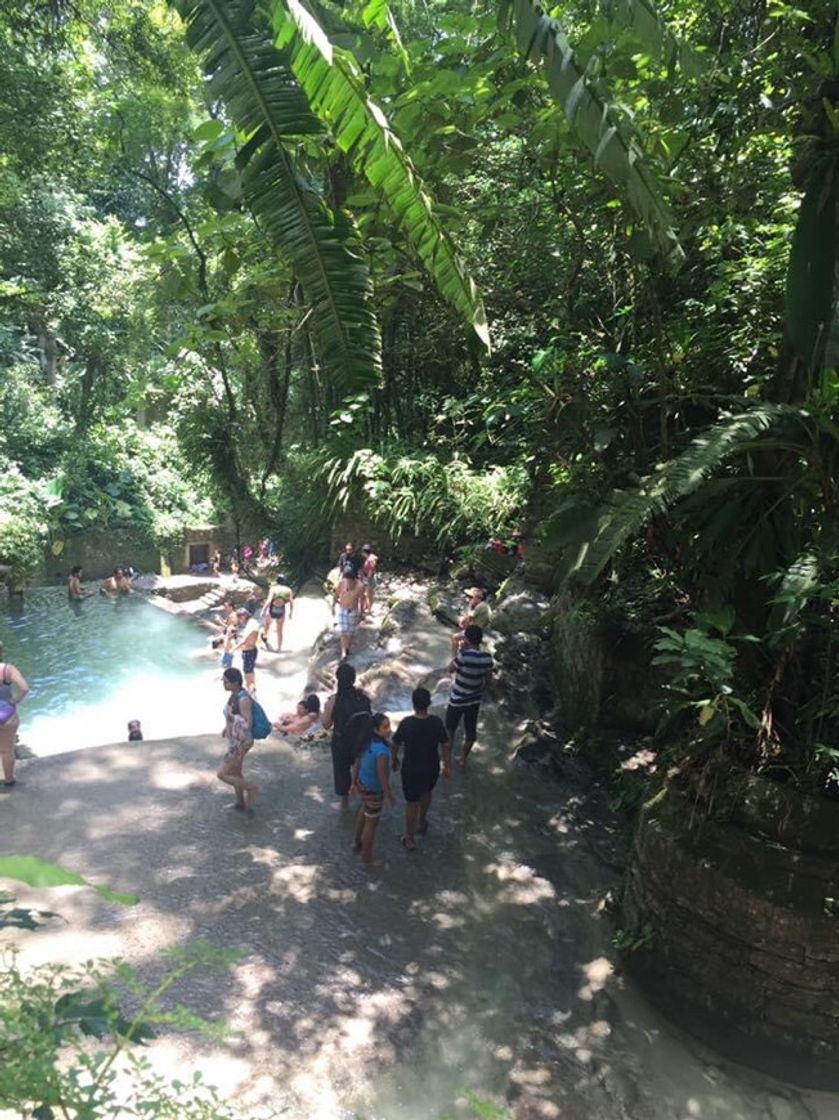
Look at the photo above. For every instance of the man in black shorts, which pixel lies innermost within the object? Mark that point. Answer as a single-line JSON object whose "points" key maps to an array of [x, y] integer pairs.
{"points": [[472, 667], [422, 735]]}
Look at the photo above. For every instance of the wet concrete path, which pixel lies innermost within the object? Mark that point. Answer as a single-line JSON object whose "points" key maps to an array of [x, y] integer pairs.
{"points": [[483, 960]]}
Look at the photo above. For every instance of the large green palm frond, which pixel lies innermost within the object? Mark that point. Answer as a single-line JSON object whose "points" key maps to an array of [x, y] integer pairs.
{"points": [[596, 121], [626, 512], [265, 103], [335, 86], [648, 25]]}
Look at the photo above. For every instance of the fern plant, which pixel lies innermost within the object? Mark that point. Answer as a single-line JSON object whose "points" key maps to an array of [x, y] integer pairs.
{"points": [[446, 502], [626, 512]]}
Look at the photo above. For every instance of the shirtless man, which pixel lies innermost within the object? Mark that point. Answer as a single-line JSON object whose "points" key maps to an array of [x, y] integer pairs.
{"points": [[348, 595], [368, 577], [228, 615], [247, 646], [278, 607], [75, 591], [116, 584]]}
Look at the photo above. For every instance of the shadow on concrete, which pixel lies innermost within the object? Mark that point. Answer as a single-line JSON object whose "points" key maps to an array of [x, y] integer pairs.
{"points": [[483, 959]]}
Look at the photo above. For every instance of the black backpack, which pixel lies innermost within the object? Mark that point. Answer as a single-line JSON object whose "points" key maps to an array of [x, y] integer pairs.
{"points": [[347, 706]]}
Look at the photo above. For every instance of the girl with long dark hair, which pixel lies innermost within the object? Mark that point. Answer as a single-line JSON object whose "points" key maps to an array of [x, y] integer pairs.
{"points": [[369, 740], [346, 701], [238, 730]]}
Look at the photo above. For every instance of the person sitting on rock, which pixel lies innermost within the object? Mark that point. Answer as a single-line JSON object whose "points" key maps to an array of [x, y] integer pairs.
{"points": [[302, 720], [478, 613]]}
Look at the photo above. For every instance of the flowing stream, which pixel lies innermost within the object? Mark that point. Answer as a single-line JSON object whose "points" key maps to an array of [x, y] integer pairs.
{"points": [[483, 962]]}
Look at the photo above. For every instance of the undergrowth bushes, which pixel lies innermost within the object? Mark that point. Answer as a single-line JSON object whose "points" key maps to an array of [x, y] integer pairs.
{"points": [[449, 502]]}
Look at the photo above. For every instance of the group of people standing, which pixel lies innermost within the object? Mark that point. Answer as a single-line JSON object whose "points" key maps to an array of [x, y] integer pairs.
{"points": [[243, 628], [354, 591], [366, 751]]}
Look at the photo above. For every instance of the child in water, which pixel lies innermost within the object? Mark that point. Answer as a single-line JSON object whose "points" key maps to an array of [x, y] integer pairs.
{"points": [[369, 736]]}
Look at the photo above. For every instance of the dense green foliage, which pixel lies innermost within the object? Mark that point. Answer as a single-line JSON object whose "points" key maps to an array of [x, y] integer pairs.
{"points": [[241, 258]]}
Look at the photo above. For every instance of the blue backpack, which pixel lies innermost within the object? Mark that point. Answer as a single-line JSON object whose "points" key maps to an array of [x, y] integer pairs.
{"points": [[260, 723]]}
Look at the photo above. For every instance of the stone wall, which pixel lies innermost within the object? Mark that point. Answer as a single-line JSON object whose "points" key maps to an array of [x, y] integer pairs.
{"points": [[355, 526], [745, 941], [602, 679], [99, 551]]}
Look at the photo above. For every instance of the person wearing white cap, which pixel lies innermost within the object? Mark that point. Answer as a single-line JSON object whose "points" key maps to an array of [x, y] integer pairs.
{"points": [[478, 613]]}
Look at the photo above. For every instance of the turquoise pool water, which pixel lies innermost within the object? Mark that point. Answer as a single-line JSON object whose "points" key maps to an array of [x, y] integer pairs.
{"points": [[92, 666]]}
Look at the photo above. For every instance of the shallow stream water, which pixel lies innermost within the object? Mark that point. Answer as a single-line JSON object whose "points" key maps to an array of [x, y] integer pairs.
{"points": [[483, 962]]}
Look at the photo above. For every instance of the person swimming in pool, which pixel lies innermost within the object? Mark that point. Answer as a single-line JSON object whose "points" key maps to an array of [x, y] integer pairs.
{"points": [[75, 592], [116, 584]]}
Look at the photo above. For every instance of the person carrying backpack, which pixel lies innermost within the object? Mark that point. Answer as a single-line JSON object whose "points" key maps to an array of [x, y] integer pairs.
{"points": [[339, 709], [244, 721]]}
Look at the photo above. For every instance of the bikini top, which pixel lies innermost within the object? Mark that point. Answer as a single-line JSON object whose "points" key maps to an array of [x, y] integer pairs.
{"points": [[5, 686]]}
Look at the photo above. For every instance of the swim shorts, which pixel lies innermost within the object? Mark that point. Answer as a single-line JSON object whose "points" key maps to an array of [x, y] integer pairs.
{"points": [[347, 620], [226, 660], [469, 714], [248, 660], [372, 800]]}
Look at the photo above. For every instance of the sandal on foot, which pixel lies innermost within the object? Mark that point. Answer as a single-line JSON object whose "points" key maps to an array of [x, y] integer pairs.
{"points": [[408, 845]]}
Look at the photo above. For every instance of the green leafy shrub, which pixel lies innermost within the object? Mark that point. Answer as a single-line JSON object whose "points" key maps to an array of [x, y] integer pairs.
{"points": [[704, 676], [33, 433], [451, 502], [130, 477], [23, 527], [66, 1039], [296, 512], [67, 1033]]}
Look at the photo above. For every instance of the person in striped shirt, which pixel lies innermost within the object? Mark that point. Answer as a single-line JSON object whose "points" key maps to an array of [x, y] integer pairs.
{"points": [[472, 667]]}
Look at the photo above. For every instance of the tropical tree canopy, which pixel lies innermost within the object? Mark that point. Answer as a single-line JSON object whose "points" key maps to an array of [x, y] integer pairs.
{"points": [[473, 270]]}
